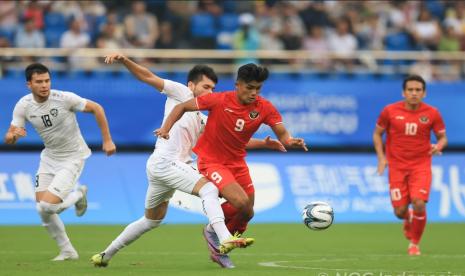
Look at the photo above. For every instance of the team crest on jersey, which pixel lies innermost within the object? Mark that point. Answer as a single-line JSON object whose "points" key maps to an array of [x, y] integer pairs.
{"points": [[253, 114], [54, 112], [424, 120]]}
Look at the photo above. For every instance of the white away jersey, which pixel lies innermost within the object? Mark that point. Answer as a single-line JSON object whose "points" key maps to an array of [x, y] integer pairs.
{"points": [[55, 122], [185, 132]]}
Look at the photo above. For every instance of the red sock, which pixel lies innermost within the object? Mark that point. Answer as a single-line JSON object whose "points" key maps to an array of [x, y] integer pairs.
{"points": [[233, 220], [418, 225], [229, 211]]}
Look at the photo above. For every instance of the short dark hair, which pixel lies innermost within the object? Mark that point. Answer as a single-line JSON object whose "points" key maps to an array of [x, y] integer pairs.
{"points": [[35, 68], [196, 73], [252, 72], [414, 78]]}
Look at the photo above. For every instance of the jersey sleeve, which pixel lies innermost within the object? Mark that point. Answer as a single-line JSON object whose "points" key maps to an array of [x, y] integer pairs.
{"points": [[438, 123], [208, 101], [383, 119], [176, 90], [273, 116], [74, 102], [19, 115]]}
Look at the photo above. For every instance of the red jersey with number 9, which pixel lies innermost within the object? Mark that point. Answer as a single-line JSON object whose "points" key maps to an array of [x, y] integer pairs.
{"points": [[408, 134], [230, 125]]}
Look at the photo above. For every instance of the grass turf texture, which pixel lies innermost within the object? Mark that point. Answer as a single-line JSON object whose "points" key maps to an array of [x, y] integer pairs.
{"points": [[280, 249]]}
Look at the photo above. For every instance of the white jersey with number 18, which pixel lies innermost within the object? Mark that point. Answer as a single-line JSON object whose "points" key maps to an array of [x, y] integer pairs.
{"points": [[55, 122]]}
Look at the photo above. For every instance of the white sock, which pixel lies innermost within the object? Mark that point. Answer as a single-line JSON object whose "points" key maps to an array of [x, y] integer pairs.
{"points": [[212, 208], [131, 233], [71, 199], [56, 229]]}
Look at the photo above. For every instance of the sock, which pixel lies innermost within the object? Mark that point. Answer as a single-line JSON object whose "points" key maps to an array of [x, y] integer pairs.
{"points": [[131, 233], [229, 211], [418, 225], [55, 228], [234, 221], [71, 199], [212, 208]]}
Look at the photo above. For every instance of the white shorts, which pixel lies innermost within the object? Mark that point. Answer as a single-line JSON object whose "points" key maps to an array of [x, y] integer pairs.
{"points": [[58, 177], [165, 177]]}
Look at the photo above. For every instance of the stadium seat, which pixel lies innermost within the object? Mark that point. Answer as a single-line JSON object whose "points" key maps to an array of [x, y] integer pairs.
{"points": [[55, 20], [52, 37], [203, 25], [228, 22]]}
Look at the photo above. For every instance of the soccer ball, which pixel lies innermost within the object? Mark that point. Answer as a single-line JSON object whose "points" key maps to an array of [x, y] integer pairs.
{"points": [[318, 215]]}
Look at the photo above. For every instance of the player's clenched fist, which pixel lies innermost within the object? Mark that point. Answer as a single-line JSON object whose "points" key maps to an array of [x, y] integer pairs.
{"points": [[161, 132], [109, 147]]}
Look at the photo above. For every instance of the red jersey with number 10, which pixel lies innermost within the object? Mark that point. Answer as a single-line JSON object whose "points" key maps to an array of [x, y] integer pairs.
{"points": [[230, 125], [408, 132]]}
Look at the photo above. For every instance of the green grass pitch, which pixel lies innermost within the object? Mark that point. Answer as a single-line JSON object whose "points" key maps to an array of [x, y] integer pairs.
{"points": [[280, 249]]}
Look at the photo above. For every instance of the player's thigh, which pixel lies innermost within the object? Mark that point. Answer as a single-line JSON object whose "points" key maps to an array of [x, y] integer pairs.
{"points": [[66, 176], [398, 187], [420, 183], [219, 174], [157, 193], [242, 175], [174, 174]]}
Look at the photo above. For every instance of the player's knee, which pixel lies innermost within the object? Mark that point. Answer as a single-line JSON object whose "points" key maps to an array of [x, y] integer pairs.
{"points": [[209, 191], [151, 223], [48, 208], [400, 212], [418, 205], [246, 210]]}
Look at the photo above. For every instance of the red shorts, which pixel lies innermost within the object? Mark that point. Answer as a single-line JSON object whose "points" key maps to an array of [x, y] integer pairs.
{"points": [[224, 174], [407, 184]]}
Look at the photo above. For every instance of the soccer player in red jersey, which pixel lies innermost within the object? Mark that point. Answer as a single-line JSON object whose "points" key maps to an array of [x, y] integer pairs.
{"points": [[408, 125], [233, 118]]}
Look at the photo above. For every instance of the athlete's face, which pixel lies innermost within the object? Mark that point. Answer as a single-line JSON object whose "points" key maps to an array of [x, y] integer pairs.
{"points": [[414, 92], [204, 86], [40, 86], [247, 92]]}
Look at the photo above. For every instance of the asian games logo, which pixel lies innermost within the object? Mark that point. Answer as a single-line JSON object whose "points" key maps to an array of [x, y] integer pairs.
{"points": [[424, 120]]}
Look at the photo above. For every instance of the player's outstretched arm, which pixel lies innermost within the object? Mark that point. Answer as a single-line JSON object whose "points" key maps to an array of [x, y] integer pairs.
{"points": [[13, 134], [378, 145], [108, 146], [286, 139], [175, 115], [436, 149], [266, 143], [139, 71]]}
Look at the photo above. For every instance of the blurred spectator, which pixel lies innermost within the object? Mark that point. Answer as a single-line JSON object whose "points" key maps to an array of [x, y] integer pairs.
{"points": [[166, 40], [107, 38], [246, 38], [450, 40], [371, 32], [210, 6], [426, 31], [28, 36], [141, 27], [317, 46], [315, 14], [8, 18], [35, 11], [75, 38], [343, 44]]}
